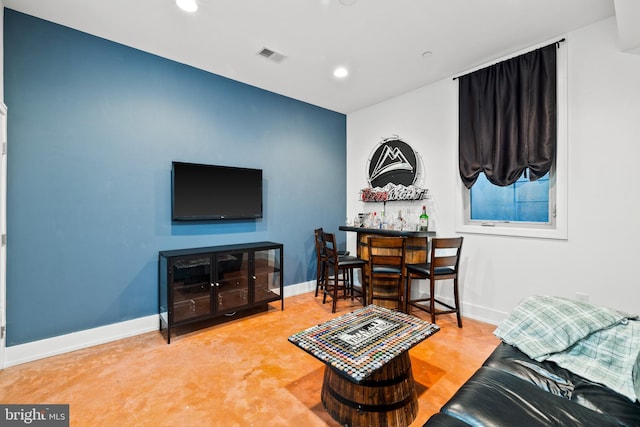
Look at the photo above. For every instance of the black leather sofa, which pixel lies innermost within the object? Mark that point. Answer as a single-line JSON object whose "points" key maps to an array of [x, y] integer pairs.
{"points": [[510, 389]]}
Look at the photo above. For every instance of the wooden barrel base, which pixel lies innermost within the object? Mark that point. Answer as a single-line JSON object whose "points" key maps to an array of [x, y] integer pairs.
{"points": [[387, 398]]}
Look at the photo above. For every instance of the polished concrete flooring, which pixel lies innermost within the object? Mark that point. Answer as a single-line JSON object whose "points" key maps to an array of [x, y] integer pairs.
{"points": [[242, 372]]}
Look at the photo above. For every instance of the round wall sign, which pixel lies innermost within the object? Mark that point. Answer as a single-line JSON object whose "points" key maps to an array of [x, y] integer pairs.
{"points": [[393, 162]]}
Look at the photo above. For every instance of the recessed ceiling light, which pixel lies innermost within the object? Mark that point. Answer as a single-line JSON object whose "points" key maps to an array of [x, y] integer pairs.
{"points": [[187, 5], [348, 2], [426, 54], [340, 72]]}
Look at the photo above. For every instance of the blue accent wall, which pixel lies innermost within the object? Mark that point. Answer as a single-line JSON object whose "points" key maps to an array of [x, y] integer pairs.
{"points": [[93, 127]]}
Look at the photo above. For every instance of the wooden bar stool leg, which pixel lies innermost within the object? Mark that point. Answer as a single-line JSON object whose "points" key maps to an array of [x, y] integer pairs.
{"points": [[336, 275], [456, 298], [324, 290], [432, 300]]}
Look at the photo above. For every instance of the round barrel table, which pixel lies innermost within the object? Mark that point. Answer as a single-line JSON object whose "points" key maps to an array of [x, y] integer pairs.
{"points": [[367, 379], [387, 398]]}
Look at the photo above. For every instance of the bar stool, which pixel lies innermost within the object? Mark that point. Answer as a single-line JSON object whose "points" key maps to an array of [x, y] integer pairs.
{"points": [[385, 275], [321, 258], [443, 265], [338, 273]]}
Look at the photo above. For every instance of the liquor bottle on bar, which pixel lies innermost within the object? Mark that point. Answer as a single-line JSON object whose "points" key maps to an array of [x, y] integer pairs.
{"points": [[424, 220]]}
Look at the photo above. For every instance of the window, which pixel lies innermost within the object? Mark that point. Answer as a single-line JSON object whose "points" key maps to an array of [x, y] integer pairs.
{"points": [[527, 209], [522, 201]]}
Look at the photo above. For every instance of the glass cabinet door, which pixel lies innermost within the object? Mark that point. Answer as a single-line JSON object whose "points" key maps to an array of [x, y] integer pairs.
{"points": [[232, 281], [267, 271], [191, 288]]}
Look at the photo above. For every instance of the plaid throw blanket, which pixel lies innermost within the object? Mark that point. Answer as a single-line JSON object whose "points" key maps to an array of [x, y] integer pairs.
{"points": [[596, 343]]}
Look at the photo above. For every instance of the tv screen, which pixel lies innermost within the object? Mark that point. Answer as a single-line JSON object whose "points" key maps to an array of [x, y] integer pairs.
{"points": [[206, 192]]}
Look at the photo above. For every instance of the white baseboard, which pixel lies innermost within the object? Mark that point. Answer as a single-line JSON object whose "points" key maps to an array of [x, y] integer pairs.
{"points": [[23, 353], [35, 350], [472, 311], [483, 314], [475, 312], [299, 288]]}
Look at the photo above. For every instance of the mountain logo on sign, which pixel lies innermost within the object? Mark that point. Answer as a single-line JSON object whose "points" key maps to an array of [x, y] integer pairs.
{"points": [[391, 159], [392, 162]]}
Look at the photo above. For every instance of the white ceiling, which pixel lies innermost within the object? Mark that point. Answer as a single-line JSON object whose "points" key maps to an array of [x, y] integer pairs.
{"points": [[381, 41]]}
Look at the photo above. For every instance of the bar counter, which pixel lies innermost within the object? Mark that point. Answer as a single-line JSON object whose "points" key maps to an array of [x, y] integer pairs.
{"points": [[417, 241]]}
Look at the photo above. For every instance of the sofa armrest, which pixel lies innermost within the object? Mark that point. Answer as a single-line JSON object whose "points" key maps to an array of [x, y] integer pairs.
{"points": [[493, 397], [442, 420]]}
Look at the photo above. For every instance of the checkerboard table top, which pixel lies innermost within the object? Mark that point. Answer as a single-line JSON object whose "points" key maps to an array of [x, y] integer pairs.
{"points": [[361, 342]]}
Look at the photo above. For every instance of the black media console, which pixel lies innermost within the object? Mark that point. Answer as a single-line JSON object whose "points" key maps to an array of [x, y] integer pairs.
{"points": [[204, 283]]}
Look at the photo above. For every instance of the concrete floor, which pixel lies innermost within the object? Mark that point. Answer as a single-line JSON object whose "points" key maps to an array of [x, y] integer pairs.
{"points": [[243, 372]]}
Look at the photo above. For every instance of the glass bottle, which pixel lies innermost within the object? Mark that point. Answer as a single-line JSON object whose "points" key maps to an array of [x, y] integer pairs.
{"points": [[424, 220]]}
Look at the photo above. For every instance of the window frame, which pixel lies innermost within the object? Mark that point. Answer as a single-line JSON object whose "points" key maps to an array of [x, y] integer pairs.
{"points": [[558, 175]]}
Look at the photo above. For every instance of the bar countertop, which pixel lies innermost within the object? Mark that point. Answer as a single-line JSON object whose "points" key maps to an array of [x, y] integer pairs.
{"points": [[385, 232]]}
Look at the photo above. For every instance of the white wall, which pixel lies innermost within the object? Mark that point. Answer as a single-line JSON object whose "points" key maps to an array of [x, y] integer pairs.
{"points": [[599, 258]]}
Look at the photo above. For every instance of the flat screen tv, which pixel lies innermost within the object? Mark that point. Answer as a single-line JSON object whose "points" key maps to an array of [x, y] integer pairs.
{"points": [[209, 192]]}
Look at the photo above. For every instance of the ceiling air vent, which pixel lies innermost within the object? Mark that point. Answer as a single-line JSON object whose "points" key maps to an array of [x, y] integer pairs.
{"points": [[271, 55]]}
